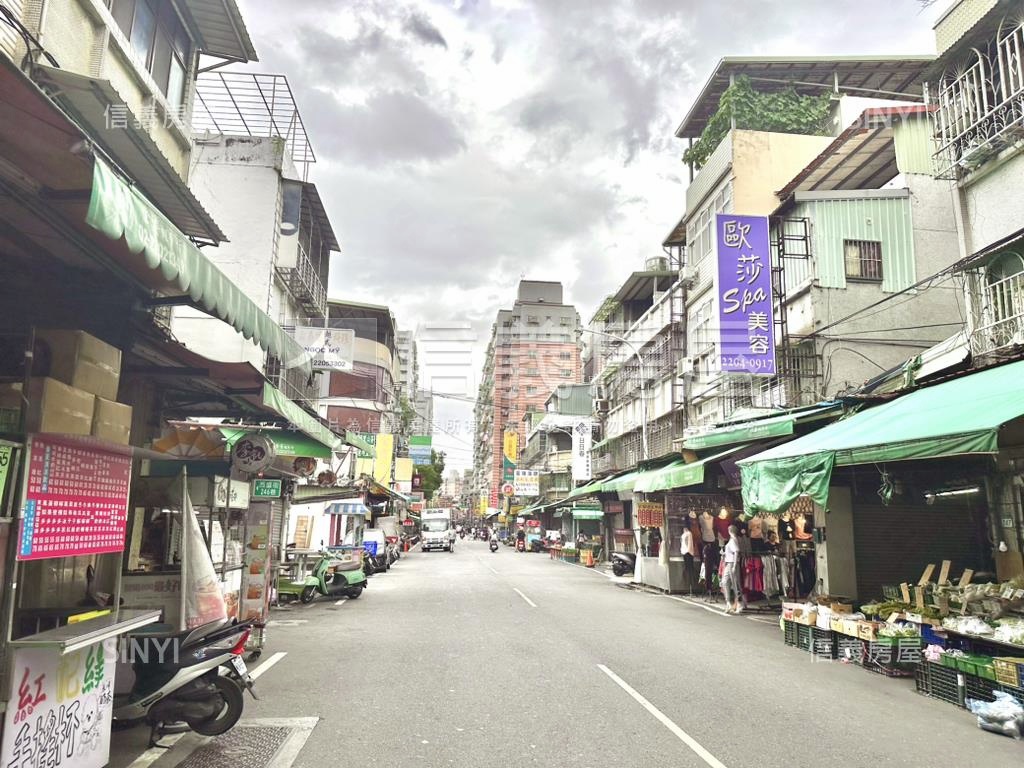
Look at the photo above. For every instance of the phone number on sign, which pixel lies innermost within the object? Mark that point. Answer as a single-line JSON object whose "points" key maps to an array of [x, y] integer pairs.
{"points": [[749, 364]]}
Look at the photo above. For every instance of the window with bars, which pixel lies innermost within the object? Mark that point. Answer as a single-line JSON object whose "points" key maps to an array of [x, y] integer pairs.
{"points": [[863, 259]]}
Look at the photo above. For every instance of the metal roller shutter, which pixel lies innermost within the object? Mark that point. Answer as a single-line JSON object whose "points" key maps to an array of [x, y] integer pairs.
{"points": [[896, 543]]}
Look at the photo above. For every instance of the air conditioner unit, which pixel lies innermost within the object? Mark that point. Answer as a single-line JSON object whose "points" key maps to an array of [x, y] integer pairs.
{"points": [[599, 392], [688, 274], [601, 406], [685, 367]]}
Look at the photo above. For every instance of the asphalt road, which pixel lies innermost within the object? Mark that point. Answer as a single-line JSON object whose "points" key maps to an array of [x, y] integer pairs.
{"points": [[507, 659]]}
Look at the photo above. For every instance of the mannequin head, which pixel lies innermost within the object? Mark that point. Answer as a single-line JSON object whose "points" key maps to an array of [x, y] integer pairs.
{"points": [[723, 513], [693, 515]]}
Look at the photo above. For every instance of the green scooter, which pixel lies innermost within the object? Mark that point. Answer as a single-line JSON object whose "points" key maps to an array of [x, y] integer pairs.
{"points": [[333, 573]]}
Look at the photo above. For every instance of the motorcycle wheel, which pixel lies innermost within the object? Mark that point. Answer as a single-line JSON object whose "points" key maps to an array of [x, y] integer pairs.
{"points": [[223, 721], [618, 569], [308, 593], [353, 593]]}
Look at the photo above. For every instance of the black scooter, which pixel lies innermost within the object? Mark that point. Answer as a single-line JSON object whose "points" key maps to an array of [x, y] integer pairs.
{"points": [[623, 563], [494, 545]]}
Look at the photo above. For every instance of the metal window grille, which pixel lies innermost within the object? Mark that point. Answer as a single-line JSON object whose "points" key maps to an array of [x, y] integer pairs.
{"points": [[863, 259]]}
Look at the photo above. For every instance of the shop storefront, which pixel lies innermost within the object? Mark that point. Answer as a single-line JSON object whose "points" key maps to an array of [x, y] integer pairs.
{"points": [[917, 523]]}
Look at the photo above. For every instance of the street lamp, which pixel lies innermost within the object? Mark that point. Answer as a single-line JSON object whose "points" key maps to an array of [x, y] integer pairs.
{"points": [[643, 386]]}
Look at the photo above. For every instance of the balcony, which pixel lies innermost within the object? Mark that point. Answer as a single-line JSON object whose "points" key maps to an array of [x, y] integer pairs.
{"points": [[1000, 319], [981, 109], [292, 382], [303, 283]]}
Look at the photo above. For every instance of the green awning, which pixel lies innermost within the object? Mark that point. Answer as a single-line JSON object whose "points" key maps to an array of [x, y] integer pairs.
{"points": [[623, 483], [678, 474], [287, 442], [958, 417], [587, 512], [274, 399], [120, 211], [760, 429], [594, 486]]}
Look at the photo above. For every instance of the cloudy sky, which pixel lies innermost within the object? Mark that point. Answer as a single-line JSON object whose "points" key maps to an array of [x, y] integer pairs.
{"points": [[463, 144]]}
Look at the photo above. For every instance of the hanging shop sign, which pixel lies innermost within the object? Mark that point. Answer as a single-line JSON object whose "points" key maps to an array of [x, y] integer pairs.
{"points": [[76, 501], [253, 454], [650, 514], [59, 711], [510, 454], [507, 489], [527, 482], [266, 488], [329, 349], [6, 456], [304, 466], [744, 292], [213, 492], [419, 448], [382, 462], [581, 445]]}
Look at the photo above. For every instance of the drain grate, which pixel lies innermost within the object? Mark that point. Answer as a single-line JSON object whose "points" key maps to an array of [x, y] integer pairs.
{"points": [[241, 747]]}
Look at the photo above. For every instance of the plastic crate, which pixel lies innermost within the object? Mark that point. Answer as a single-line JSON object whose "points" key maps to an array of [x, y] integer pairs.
{"points": [[977, 666], [1007, 671], [980, 688], [823, 643], [804, 637], [849, 649], [943, 684], [1016, 692], [930, 637], [789, 632], [923, 679]]}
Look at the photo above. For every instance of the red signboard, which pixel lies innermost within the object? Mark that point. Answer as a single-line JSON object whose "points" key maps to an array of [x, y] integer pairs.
{"points": [[76, 501]]}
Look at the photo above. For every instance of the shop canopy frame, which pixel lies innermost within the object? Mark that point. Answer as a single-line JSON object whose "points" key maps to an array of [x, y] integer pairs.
{"points": [[968, 415], [680, 474], [776, 425]]}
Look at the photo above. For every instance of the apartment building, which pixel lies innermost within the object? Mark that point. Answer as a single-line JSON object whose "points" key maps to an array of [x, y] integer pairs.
{"points": [[533, 348]]}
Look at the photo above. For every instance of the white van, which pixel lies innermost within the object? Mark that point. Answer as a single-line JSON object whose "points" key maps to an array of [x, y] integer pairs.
{"points": [[436, 529]]}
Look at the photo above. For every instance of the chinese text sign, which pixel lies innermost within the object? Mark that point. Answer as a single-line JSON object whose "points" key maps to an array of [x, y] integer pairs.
{"points": [[76, 501], [744, 293]]}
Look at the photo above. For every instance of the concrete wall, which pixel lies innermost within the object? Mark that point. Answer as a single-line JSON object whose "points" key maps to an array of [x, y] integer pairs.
{"points": [[994, 202], [85, 39], [762, 163]]}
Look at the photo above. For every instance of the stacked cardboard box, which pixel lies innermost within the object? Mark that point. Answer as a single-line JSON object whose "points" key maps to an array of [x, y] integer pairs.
{"points": [[77, 395]]}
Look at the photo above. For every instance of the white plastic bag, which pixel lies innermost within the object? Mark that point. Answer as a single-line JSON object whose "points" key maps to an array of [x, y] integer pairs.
{"points": [[1005, 715]]}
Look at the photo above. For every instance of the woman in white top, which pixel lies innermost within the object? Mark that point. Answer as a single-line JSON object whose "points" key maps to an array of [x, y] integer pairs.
{"points": [[731, 573]]}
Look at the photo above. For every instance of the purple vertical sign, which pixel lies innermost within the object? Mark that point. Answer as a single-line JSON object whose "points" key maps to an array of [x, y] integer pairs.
{"points": [[746, 341]]}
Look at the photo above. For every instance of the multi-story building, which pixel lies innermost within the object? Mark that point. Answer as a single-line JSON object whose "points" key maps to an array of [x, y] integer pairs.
{"points": [[533, 348], [977, 86], [408, 373], [364, 399], [549, 443], [835, 264], [423, 410], [633, 342], [280, 239]]}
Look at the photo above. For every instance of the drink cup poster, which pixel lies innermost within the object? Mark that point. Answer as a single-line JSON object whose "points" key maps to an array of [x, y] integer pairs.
{"points": [[746, 342]]}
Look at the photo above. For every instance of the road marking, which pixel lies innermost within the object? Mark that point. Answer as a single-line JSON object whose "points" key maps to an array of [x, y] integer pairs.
{"points": [[153, 754], [682, 735], [717, 611], [528, 600], [267, 664], [342, 601], [286, 622]]}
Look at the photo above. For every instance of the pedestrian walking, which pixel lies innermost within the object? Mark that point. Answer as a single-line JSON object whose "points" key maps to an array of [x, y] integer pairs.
{"points": [[731, 582]]}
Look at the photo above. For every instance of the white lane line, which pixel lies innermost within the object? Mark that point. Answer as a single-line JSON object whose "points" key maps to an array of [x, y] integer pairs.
{"points": [[682, 735], [153, 754], [717, 611], [528, 600], [271, 661]]}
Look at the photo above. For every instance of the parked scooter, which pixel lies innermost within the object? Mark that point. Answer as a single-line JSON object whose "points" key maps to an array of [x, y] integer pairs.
{"points": [[332, 575], [623, 563], [520, 545], [494, 545], [178, 680]]}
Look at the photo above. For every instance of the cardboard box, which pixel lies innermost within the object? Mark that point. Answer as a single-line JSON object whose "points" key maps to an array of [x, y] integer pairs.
{"points": [[112, 421], [59, 408], [841, 608], [868, 630], [81, 360]]}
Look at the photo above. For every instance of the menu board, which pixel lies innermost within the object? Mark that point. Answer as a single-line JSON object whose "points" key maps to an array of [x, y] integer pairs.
{"points": [[76, 501]]}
